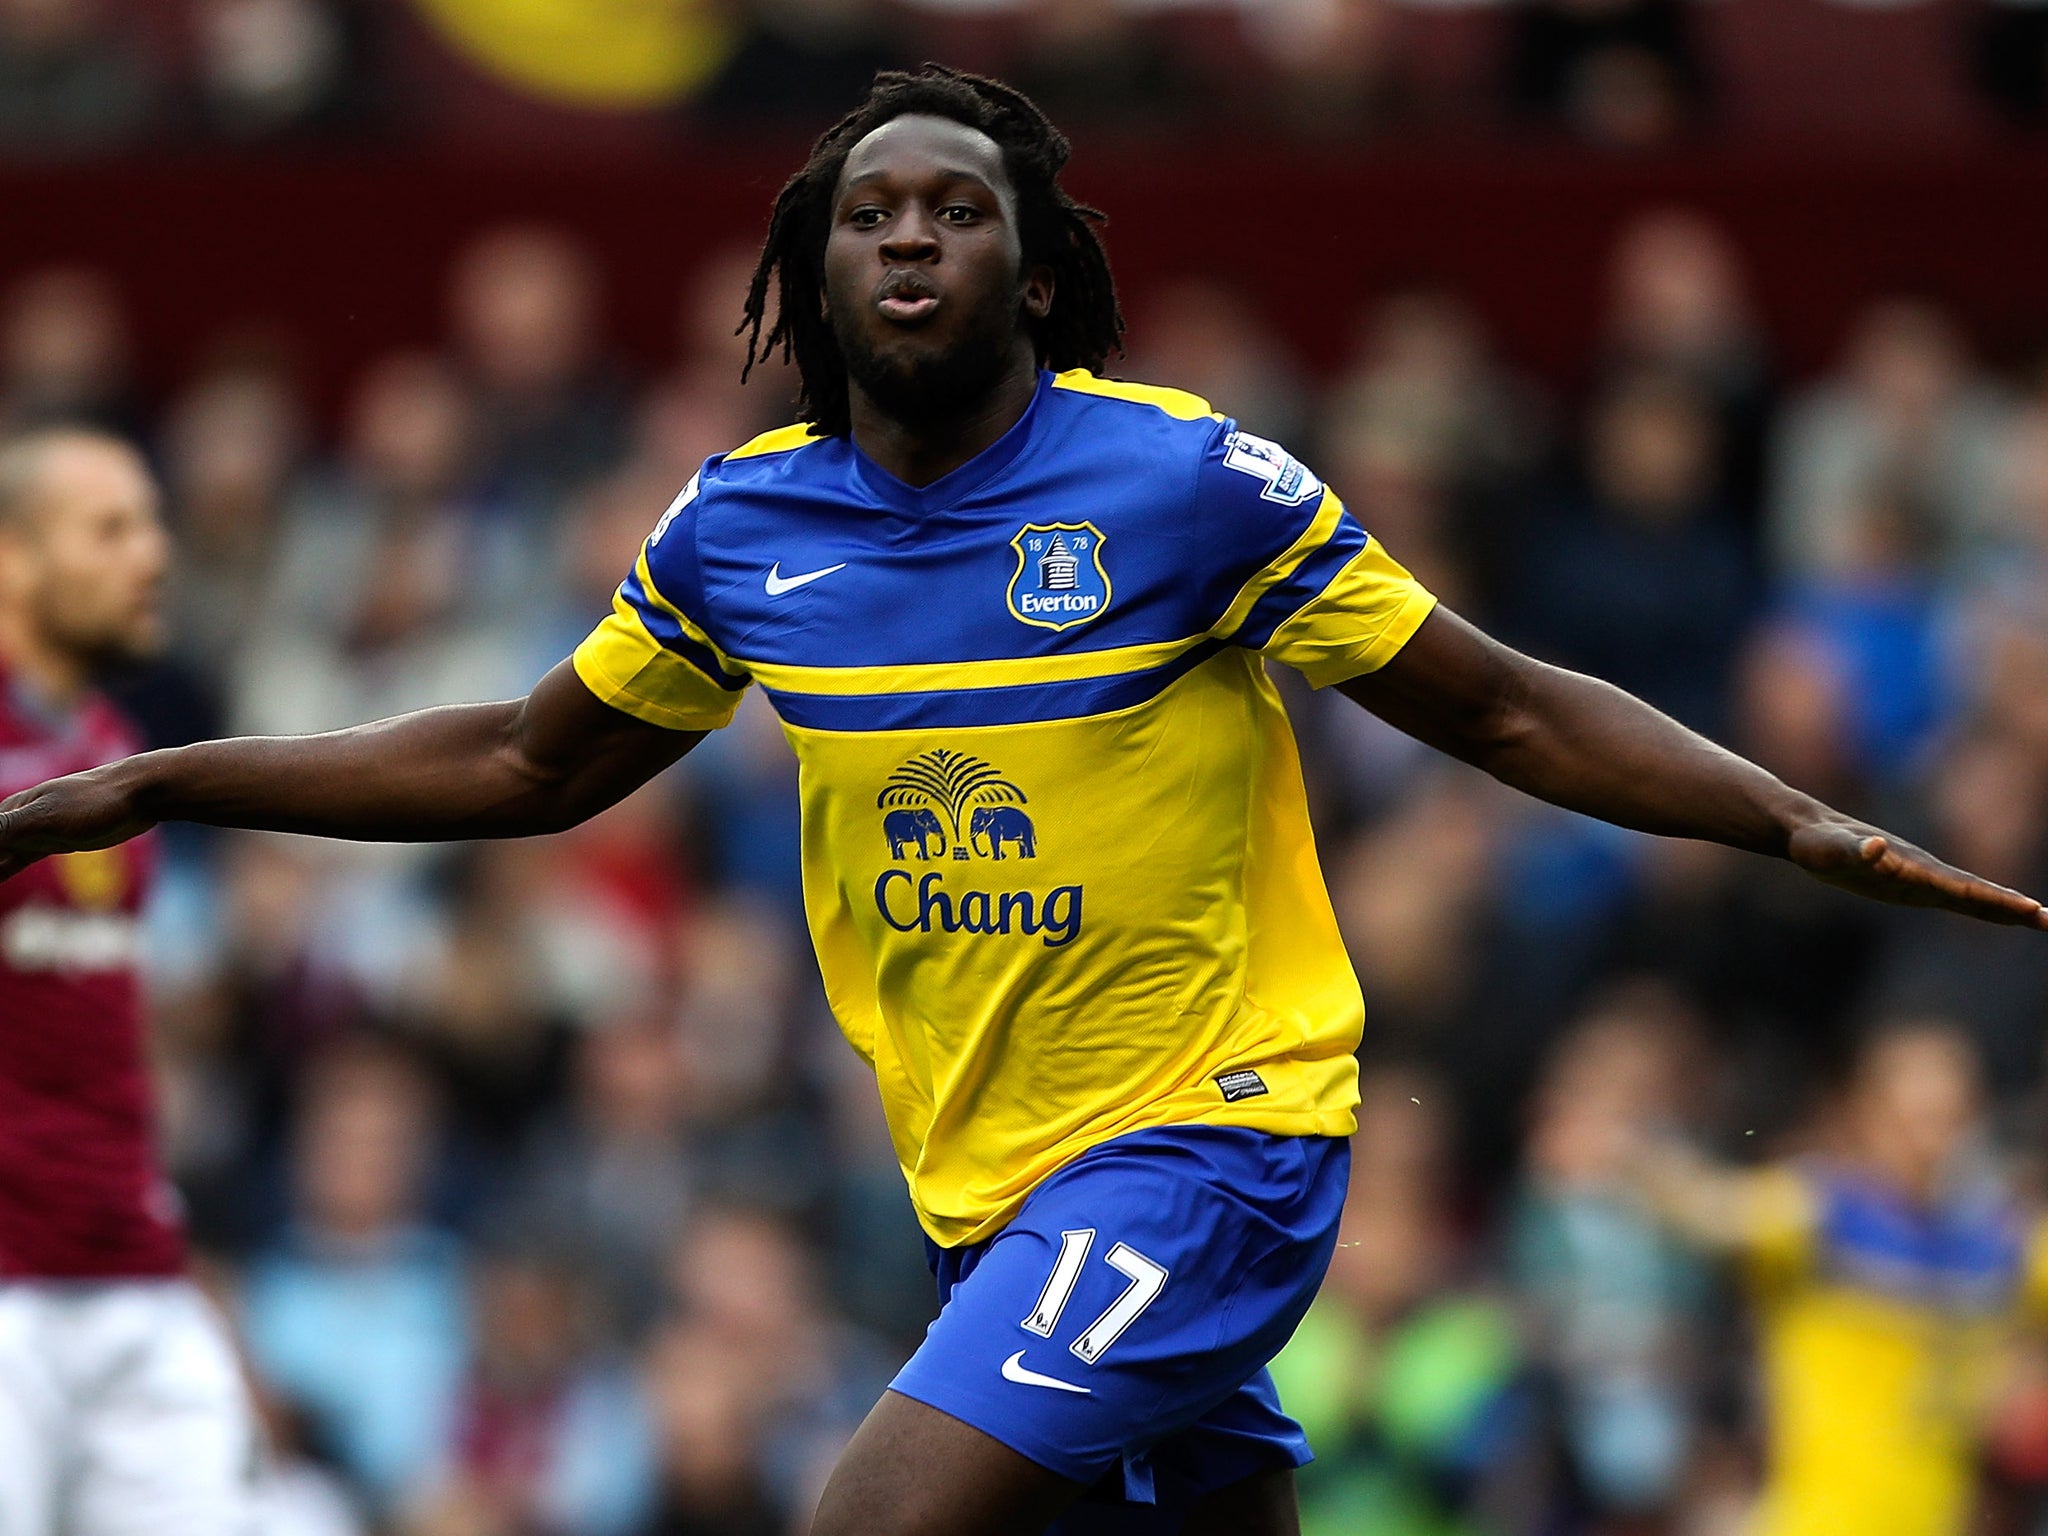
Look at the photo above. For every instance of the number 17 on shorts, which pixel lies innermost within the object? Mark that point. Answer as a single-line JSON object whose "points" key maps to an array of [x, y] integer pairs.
{"points": [[1136, 1296]]}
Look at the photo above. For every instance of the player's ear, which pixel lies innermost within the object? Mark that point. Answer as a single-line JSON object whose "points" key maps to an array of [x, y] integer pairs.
{"points": [[1038, 284]]}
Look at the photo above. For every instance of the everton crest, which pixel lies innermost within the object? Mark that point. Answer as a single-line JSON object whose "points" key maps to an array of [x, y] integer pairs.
{"points": [[1060, 580]]}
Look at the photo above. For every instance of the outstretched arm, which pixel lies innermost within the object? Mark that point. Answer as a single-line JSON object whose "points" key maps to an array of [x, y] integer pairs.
{"points": [[1589, 747], [533, 765]]}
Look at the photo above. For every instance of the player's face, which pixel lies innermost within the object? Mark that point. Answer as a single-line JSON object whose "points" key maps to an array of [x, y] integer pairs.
{"points": [[925, 285], [91, 555], [1919, 1102]]}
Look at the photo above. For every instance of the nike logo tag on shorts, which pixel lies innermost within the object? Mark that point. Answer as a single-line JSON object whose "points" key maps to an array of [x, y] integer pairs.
{"points": [[779, 583], [1013, 1370]]}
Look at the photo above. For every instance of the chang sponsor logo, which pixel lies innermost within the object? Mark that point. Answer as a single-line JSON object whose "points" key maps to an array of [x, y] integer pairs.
{"points": [[947, 807]]}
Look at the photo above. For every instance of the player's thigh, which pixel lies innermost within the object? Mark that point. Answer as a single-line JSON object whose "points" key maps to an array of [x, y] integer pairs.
{"points": [[911, 1470], [1260, 1505], [168, 1446], [31, 1419]]}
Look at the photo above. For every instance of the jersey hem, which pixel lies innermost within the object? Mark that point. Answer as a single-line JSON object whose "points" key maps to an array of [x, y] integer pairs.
{"points": [[964, 1233]]}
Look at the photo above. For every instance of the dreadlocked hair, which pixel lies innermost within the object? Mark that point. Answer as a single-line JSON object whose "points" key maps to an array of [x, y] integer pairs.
{"points": [[1086, 324]]}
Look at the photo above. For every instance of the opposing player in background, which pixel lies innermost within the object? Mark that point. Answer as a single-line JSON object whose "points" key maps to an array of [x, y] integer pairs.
{"points": [[1016, 619], [122, 1411]]}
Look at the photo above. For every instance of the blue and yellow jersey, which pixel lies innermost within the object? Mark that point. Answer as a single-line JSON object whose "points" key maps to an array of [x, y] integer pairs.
{"points": [[1884, 1327], [1057, 860]]}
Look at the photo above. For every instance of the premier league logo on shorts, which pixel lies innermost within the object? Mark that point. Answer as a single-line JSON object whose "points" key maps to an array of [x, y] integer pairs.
{"points": [[1060, 580]]}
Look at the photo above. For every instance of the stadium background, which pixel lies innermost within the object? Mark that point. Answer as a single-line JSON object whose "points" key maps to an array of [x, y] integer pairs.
{"points": [[1699, 343]]}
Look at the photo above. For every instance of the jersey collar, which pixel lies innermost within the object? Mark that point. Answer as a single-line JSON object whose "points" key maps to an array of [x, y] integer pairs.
{"points": [[955, 485]]}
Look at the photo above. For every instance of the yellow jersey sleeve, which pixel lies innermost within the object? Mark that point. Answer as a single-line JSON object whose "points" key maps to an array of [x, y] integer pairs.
{"points": [[1322, 594], [2034, 1279], [650, 657], [1779, 1221], [1357, 622]]}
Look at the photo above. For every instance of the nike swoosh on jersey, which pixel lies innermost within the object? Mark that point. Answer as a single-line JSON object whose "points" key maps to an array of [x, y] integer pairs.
{"points": [[1014, 1370], [778, 583]]}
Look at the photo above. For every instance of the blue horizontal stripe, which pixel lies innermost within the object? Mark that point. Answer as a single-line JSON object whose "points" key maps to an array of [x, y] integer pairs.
{"points": [[1016, 704], [669, 635], [1304, 584]]}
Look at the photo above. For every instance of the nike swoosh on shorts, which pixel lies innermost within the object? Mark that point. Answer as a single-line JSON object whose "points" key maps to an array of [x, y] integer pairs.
{"points": [[1014, 1370]]}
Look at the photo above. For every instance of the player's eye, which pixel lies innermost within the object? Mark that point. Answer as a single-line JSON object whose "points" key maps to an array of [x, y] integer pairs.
{"points": [[865, 218], [959, 213]]}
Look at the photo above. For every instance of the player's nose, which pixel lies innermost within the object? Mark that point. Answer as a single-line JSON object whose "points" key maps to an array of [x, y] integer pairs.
{"points": [[913, 236]]}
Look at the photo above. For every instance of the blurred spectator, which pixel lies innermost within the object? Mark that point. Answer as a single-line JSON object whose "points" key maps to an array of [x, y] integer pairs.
{"points": [[1881, 614], [1640, 577], [1622, 73], [269, 68], [1907, 430], [549, 1436], [1678, 303], [1988, 800], [524, 307], [708, 1409], [1616, 1302], [1427, 437], [616, 1174], [1097, 61], [231, 449], [71, 79], [802, 60], [1420, 940], [1887, 1275], [390, 585], [1206, 338], [1406, 1375], [702, 408], [746, 778], [777, 1388], [64, 353], [1337, 66], [358, 1316]]}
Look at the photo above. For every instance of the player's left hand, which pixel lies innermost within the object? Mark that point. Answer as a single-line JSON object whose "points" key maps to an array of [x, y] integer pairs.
{"points": [[1871, 863], [85, 810]]}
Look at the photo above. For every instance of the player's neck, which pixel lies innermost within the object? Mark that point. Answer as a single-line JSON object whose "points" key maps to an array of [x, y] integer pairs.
{"points": [[54, 678], [919, 452]]}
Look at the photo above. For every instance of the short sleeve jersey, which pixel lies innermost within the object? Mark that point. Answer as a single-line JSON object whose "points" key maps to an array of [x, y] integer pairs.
{"points": [[1057, 859], [1884, 1324], [81, 1195]]}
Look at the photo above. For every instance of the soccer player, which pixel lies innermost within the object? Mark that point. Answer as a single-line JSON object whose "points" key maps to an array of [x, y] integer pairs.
{"points": [[122, 1410], [1015, 618], [1889, 1278]]}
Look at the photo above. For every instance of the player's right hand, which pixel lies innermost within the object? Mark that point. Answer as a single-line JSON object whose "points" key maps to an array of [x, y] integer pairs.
{"points": [[67, 815]]}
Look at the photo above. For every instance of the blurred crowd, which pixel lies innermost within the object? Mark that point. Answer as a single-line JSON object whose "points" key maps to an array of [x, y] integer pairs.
{"points": [[83, 77], [549, 1203]]}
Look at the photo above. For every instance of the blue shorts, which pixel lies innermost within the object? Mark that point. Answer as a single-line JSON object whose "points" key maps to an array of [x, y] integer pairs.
{"points": [[1123, 1320]]}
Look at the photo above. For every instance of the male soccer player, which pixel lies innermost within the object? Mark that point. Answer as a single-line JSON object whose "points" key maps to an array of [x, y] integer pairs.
{"points": [[1014, 618], [1889, 1279], [121, 1407]]}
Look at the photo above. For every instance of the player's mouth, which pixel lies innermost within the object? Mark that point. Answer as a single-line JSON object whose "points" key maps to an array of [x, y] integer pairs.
{"points": [[906, 297]]}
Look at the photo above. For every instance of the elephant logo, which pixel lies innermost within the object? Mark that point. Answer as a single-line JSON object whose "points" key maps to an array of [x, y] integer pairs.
{"points": [[928, 799], [1060, 579], [1002, 824], [919, 826]]}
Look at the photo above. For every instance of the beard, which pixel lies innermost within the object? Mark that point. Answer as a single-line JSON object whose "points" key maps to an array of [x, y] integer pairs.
{"points": [[936, 386]]}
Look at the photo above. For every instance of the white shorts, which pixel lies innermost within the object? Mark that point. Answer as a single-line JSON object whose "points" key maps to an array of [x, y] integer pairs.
{"points": [[122, 1412]]}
